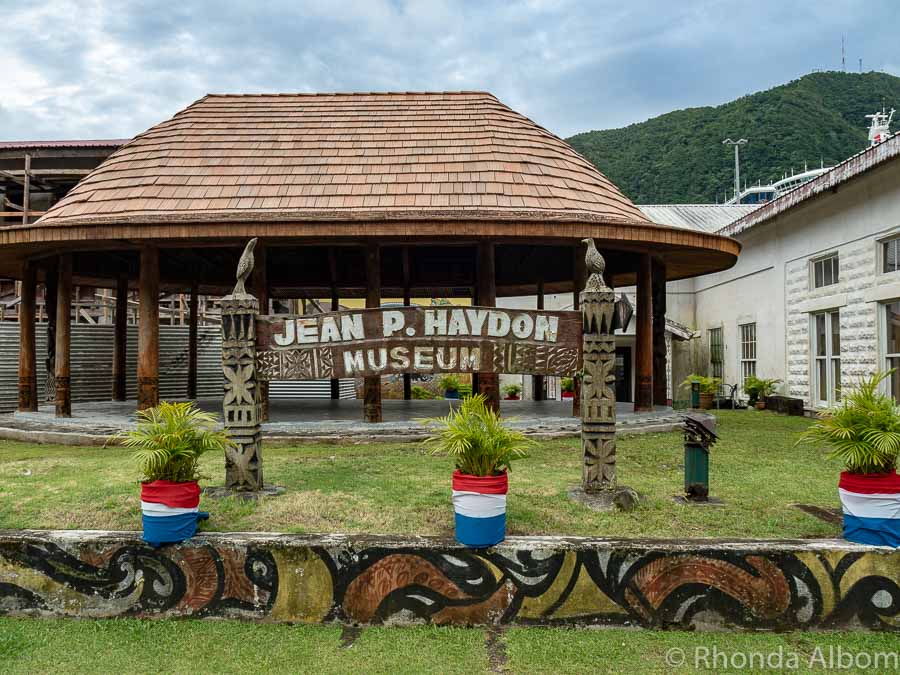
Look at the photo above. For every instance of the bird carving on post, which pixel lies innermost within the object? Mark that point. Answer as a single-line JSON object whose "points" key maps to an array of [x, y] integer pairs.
{"points": [[595, 265], [244, 268]]}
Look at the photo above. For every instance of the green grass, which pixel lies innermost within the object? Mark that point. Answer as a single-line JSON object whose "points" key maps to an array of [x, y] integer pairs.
{"points": [[190, 646], [377, 488]]}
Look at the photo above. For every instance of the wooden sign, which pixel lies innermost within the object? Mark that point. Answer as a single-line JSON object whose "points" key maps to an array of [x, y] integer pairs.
{"points": [[445, 339]]}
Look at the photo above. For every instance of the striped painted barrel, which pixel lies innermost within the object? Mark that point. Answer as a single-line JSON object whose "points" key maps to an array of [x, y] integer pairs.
{"points": [[170, 511], [871, 504], [480, 506]]}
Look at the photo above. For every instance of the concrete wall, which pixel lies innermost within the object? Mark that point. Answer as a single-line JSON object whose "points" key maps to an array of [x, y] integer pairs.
{"points": [[525, 580], [771, 285]]}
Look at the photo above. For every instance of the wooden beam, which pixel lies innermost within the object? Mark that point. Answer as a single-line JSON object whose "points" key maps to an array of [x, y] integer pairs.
{"points": [[643, 340], [28, 401], [120, 341], [62, 362], [658, 291], [193, 323], [407, 301], [372, 385], [488, 383], [148, 329]]}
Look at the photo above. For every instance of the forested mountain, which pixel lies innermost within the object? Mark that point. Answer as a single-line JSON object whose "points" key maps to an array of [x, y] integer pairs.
{"points": [[679, 157]]}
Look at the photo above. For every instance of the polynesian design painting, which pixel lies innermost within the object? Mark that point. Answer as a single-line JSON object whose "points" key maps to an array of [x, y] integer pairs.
{"points": [[761, 585]]}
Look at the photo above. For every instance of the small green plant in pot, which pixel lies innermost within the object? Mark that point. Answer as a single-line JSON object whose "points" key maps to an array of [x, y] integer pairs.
{"points": [[863, 431], [482, 448], [708, 388], [512, 392], [567, 387], [449, 384], [168, 442], [757, 389]]}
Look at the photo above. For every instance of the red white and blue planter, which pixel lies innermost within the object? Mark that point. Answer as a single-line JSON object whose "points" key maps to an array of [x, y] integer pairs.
{"points": [[479, 503], [871, 504], [170, 511]]}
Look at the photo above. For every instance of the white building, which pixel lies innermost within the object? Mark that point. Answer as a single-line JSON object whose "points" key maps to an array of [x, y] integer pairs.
{"points": [[814, 299]]}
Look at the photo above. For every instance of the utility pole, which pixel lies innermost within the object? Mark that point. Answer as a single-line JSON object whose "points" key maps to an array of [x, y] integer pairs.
{"points": [[737, 164]]}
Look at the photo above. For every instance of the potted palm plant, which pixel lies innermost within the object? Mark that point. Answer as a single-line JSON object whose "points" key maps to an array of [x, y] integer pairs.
{"points": [[168, 441], [864, 432], [450, 386], [708, 388], [567, 386], [482, 448], [512, 391]]}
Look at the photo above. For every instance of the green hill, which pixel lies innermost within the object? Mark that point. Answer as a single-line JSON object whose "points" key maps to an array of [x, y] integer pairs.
{"points": [[679, 157]]}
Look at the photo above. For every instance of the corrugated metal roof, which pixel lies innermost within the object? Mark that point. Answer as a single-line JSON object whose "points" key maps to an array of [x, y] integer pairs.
{"points": [[698, 217], [846, 170], [25, 145]]}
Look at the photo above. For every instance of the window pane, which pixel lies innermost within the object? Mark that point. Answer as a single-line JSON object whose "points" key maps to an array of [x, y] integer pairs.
{"points": [[820, 335], [890, 255], [835, 267], [818, 274], [822, 379], [827, 278], [836, 370], [835, 334], [892, 325], [894, 380]]}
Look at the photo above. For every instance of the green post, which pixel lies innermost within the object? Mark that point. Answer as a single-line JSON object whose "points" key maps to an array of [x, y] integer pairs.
{"points": [[696, 471], [695, 395]]}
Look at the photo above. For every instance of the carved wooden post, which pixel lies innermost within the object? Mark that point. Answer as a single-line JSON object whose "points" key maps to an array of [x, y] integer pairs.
{"points": [[27, 356], [241, 404], [259, 283], [578, 280], [598, 394]]}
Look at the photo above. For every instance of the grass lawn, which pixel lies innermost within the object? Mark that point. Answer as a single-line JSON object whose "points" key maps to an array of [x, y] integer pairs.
{"points": [[378, 488], [134, 646]]}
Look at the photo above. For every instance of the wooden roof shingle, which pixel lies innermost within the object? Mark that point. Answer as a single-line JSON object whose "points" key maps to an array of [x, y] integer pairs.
{"points": [[310, 157]]}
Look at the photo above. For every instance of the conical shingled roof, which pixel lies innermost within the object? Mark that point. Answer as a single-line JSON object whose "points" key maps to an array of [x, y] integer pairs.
{"points": [[308, 157]]}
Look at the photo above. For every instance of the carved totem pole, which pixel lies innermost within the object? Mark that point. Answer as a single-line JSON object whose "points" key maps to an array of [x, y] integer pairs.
{"points": [[598, 389], [241, 404]]}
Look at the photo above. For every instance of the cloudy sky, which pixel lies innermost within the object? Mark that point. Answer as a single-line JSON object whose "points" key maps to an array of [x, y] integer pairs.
{"points": [[112, 68]]}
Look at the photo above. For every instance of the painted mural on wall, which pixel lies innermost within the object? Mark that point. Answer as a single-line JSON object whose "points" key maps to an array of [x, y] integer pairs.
{"points": [[291, 579]]}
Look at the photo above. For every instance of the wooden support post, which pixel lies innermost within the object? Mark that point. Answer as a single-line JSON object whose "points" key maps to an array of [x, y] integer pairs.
{"points": [[578, 280], [193, 324], [148, 329], [335, 307], [63, 337], [537, 381], [120, 342], [643, 340], [372, 385], [259, 284], [488, 383], [598, 417], [26, 195], [660, 381], [51, 283], [28, 401], [407, 301]]}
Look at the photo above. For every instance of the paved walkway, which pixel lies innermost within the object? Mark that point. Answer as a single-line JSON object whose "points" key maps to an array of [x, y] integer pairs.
{"points": [[323, 419]]}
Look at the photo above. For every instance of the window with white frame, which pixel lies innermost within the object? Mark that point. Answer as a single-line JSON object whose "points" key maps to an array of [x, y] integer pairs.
{"points": [[826, 347], [825, 271], [890, 255], [748, 351], [716, 353], [891, 343]]}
